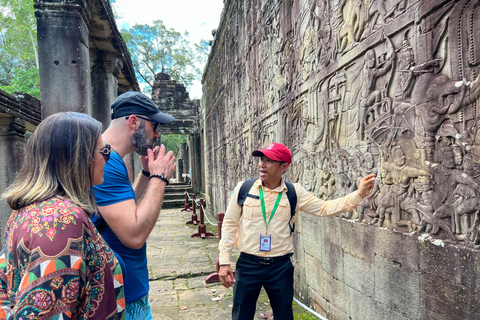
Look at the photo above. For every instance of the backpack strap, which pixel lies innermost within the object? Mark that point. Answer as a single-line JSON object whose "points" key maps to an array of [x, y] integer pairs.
{"points": [[292, 198], [242, 194], [291, 195]]}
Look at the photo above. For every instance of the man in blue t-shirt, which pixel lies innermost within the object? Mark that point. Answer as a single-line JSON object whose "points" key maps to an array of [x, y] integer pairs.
{"points": [[124, 222]]}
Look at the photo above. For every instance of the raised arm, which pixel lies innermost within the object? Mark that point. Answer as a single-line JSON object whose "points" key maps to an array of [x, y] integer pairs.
{"points": [[133, 223]]}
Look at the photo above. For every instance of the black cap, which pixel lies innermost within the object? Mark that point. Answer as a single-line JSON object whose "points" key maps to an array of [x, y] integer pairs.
{"points": [[134, 102]]}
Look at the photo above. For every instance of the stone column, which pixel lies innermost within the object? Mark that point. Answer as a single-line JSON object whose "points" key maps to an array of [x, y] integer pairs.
{"points": [[105, 69], [12, 146], [195, 155], [179, 171], [186, 161], [64, 61]]}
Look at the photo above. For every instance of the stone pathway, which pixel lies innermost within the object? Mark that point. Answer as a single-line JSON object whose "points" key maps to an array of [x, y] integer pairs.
{"points": [[178, 266]]}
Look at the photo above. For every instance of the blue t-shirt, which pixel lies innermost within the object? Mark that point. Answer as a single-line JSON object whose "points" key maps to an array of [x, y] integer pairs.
{"points": [[116, 187]]}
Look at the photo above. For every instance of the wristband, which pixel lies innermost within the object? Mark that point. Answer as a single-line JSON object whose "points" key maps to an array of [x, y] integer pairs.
{"points": [[161, 177], [146, 173]]}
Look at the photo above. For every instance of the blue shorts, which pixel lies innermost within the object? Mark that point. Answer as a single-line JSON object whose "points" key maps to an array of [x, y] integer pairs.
{"points": [[139, 310]]}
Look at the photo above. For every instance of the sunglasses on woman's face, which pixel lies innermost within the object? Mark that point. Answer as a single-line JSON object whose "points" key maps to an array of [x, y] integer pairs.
{"points": [[106, 151]]}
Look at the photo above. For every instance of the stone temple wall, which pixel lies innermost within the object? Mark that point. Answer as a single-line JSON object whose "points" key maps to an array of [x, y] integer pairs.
{"points": [[354, 87]]}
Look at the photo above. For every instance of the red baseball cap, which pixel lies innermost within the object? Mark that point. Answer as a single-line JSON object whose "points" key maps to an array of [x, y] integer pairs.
{"points": [[275, 151]]}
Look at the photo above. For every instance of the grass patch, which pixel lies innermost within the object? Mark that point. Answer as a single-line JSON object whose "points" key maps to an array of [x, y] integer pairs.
{"points": [[299, 313]]}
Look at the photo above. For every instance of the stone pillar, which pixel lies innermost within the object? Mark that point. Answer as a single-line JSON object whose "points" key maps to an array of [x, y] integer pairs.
{"points": [[186, 162], [105, 69], [12, 146], [179, 171], [195, 155], [64, 63]]}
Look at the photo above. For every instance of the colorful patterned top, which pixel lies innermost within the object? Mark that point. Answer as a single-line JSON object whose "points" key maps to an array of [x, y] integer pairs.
{"points": [[55, 265]]}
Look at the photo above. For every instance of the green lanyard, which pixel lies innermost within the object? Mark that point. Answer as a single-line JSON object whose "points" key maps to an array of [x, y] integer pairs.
{"points": [[264, 211]]}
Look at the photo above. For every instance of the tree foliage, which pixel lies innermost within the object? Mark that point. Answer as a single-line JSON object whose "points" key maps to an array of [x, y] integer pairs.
{"points": [[18, 47], [173, 141], [156, 48], [24, 80]]}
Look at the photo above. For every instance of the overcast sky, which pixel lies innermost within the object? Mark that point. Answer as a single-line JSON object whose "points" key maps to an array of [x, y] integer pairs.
{"points": [[197, 17]]}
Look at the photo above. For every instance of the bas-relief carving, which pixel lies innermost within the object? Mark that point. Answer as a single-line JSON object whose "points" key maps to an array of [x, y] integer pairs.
{"points": [[401, 108]]}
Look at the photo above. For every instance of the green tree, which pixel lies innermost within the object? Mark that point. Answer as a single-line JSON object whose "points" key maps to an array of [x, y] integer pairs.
{"points": [[173, 141], [156, 48], [25, 80], [18, 47]]}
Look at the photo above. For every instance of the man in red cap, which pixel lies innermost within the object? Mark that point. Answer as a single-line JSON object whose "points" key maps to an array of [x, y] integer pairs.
{"points": [[262, 233]]}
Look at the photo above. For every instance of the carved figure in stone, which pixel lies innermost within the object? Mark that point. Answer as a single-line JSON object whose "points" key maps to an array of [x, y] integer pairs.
{"points": [[453, 188], [368, 204], [308, 179], [336, 22], [321, 21], [435, 97], [326, 181], [472, 169], [420, 205], [399, 175], [403, 110], [376, 17], [336, 107], [371, 96], [355, 13], [342, 180], [378, 14], [407, 74]]}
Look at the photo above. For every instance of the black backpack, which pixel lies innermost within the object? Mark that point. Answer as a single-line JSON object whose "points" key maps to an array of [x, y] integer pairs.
{"points": [[291, 195]]}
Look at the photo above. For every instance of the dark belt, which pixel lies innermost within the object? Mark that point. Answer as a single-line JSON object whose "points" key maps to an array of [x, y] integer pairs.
{"points": [[264, 260]]}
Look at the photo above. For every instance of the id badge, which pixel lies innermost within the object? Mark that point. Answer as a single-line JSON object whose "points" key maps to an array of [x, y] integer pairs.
{"points": [[265, 242]]}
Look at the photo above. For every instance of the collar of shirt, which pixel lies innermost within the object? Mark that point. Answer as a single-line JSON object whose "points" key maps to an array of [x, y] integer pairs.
{"points": [[282, 187]]}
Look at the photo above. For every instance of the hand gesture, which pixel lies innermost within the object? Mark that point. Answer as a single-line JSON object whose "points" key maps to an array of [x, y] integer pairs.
{"points": [[161, 163], [144, 159], [366, 185]]}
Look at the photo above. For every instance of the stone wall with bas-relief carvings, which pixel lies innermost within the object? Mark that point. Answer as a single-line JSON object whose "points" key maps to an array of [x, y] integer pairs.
{"points": [[355, 87]]}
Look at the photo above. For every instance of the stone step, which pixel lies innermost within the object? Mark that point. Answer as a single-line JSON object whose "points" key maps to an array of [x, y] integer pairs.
{"points": [[173, 204], [178, 188], [175, 195]]}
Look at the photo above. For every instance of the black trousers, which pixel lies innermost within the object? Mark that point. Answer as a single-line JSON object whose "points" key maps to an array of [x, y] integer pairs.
{"points": [[276, 278]]}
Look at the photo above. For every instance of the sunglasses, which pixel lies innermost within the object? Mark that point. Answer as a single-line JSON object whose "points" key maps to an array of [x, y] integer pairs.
{"points": [[156, 123], [106, 150]]}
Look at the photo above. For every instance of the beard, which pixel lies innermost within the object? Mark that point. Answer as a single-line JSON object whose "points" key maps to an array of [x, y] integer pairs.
{"points": [[140, 141]]}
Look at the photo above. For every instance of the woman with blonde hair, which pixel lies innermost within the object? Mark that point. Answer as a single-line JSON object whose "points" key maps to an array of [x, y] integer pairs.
{"points": [[55, 265]]}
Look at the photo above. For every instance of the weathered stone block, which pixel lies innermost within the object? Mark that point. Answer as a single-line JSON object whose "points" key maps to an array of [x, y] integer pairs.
{"points": [[362, 307], [312, 268], [359, 275], [398, 247], [332, 229], [454, 265], [336, 293], [397, 287], [441, 302], [358, 240], [333, 262], [449, 281], [335, 313], [312, 236], [318, 302]]}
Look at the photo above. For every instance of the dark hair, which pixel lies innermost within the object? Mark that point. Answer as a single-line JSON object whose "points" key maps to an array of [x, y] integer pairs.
{"points": [[57, 163]]}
